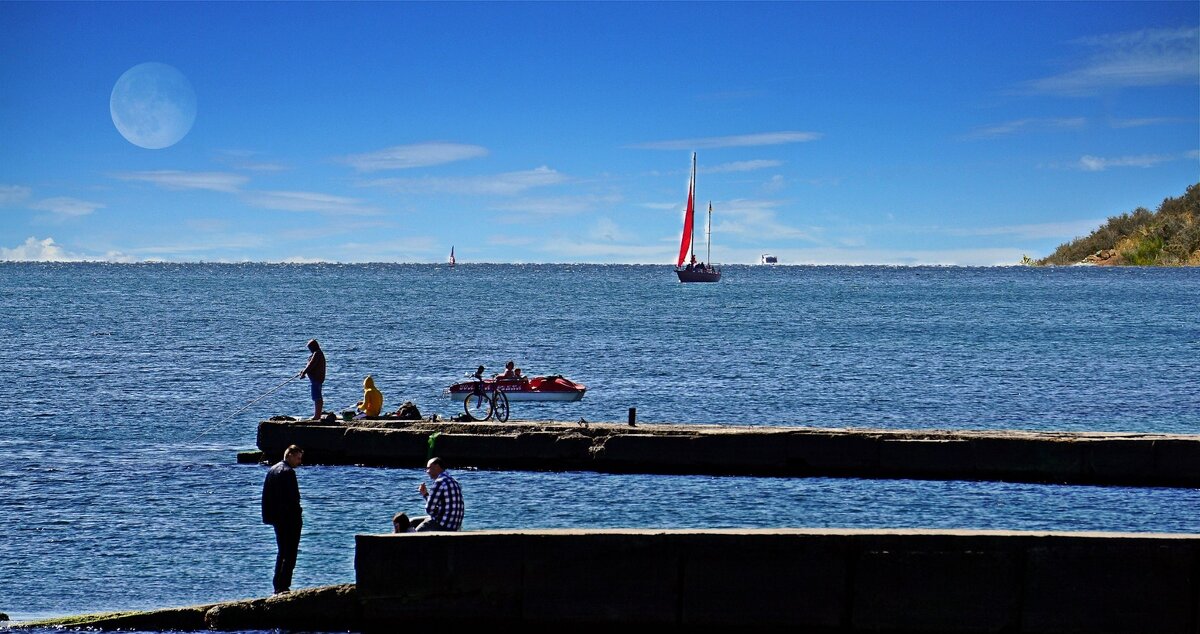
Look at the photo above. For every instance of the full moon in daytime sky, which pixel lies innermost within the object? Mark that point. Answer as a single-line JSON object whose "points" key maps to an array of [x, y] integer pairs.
{"points": [[153, 105]]}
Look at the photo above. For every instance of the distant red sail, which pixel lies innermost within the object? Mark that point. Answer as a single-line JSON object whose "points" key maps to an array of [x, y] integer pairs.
{"points": [[689, 218]]}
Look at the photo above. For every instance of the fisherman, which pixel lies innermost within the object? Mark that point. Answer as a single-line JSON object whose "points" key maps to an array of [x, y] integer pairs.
{"points": [[315, 371], [281, 509]]}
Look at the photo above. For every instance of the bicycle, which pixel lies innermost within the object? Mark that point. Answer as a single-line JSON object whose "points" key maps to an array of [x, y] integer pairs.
{"points": [[481, 405]]}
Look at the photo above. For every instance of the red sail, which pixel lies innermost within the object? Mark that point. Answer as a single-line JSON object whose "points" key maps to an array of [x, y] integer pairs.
{"points": [[689, 218]]}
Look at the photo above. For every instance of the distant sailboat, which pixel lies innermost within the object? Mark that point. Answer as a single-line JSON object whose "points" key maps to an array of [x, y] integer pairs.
{"points": [[695, 272], [451, 257]]}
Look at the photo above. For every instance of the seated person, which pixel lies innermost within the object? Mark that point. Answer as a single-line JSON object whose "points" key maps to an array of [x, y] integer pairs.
{"points": [[509, 372], [401, 524], [518, 376], [372, 402]]}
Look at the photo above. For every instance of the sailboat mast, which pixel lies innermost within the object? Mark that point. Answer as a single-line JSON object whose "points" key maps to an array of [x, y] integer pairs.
{"points": [[692, 197]]}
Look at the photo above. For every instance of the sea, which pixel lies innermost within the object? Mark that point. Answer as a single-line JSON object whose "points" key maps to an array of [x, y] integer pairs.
{"points": [[126, 391]]}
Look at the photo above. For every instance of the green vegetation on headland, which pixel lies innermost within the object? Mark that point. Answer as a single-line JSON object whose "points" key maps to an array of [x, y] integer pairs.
{"points": [[1167, 237]]}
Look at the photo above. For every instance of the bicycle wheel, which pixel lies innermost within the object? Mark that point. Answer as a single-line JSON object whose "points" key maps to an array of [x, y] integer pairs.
{"points": [[500, 406], [478, 407]]}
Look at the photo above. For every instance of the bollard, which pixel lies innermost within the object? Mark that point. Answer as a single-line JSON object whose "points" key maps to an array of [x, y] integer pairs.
{"points": [[632, 416]]}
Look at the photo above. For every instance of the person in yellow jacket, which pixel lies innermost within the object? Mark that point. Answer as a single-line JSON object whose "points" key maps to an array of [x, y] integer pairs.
{"points": [[372, 402]]}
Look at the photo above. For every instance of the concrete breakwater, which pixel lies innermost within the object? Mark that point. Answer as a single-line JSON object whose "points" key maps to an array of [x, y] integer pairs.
{"points": [[1133, 459], [829, 580]]}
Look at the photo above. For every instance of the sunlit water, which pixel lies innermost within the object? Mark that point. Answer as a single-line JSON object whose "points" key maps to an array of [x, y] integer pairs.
{"points": [[118, 488]]}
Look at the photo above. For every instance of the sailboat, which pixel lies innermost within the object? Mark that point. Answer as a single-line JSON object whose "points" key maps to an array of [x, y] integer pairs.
{"points": [[695, 272], [452, 256]]}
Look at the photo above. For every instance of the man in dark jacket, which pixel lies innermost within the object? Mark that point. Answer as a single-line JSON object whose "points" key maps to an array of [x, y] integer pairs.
{"points": [[281, 509]]}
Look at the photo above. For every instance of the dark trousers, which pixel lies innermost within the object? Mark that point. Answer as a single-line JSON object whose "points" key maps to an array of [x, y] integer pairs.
{"points": [[287, 537]]}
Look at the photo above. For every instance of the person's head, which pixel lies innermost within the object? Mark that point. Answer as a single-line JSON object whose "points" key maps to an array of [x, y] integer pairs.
{"points": [[368, 382], [434, 467], [293, 455], [509, 365], [517, 372], [400, 523], [313, 346]]}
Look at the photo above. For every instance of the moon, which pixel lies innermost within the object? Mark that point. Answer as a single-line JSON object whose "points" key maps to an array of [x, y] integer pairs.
{"points": [[153, 105]]}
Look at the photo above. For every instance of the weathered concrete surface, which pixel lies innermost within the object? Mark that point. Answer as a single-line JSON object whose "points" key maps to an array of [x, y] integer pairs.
{"points": [[806, 580], [327, 609], [1085, 458]]}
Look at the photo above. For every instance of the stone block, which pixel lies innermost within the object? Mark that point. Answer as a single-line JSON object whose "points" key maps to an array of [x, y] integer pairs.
{"points": [[944, 459], [1118, 460], [831, 454], [600, 579], [782, 580], [1112, 585], [439, 577], [392, 447], [1177, 462], [952, 590], [1027, 459]]}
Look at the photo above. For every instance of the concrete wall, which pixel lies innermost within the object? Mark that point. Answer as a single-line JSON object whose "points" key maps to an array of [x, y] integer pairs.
{"points": [[810, 580], [1085, 458]]}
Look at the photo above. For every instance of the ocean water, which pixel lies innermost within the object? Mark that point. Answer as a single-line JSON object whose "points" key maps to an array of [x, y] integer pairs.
{"points": [[118, 482]]}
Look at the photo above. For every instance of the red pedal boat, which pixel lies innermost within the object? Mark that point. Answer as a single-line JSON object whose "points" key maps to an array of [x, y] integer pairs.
{"points": [[537, 388]]}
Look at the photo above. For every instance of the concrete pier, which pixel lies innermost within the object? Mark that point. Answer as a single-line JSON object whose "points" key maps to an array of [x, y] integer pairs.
{"points": [[1132, 459], [809, 580]]}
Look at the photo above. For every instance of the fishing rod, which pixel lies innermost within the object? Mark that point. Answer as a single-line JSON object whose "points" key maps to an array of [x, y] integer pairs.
{"points": [[226, 419]]}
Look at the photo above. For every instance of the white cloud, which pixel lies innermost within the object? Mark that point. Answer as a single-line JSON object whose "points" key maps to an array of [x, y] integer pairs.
{"points": [[739, 140], [1098, 164], [1056, 230], [1140, 123], [175, 179], [507, 184], [1023, 125], [741, 166], [65, 206], [753, 219], [12, 195], [605, 230], [415, 155], [1150, 57], [1004, 256], [310, 201], [47, 250]]}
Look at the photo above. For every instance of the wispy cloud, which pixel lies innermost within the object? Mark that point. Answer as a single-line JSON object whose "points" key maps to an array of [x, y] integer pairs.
{"points": [[1150, 57], [47, 250], [739, 140], [754, 219], [741, 166], [415, 155], [507, 184], [12, 195], [1036, 231], [175, 179], [310, 201], [64, 206], [1141, 123], [1099, 164], [1024, 125], [556, 205]]}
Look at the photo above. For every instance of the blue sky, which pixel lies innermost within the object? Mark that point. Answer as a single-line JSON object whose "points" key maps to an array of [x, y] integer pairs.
{"points": [[826, 133]]}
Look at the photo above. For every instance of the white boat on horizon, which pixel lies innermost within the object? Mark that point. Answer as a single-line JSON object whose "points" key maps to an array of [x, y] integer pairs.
{"points": [[767, 258]]}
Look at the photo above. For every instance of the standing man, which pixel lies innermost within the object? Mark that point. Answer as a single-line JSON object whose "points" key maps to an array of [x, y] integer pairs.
{"points": [[444, 503], [315, 371], [281, 509]]}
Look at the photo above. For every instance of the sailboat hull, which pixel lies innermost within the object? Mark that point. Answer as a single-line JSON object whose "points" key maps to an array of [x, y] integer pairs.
{"points": [[698, 276]]}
